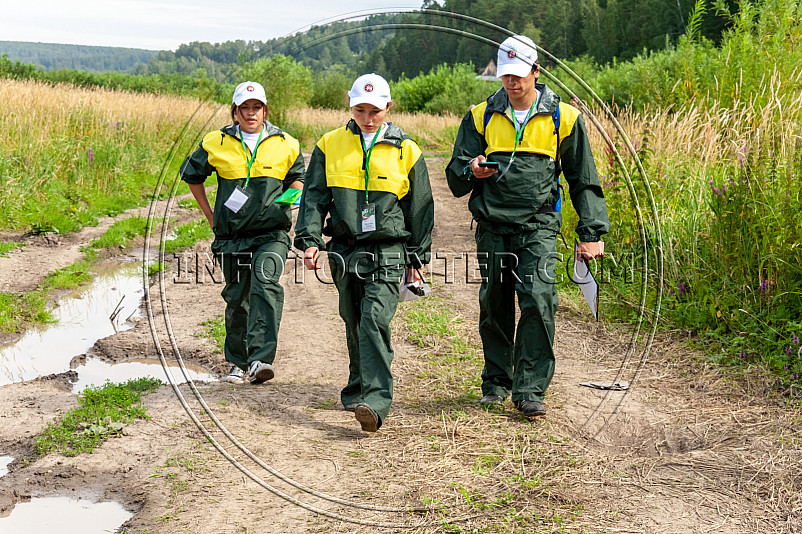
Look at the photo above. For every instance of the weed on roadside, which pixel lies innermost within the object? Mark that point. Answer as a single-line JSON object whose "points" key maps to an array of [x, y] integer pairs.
{"points": [[102, 412]]}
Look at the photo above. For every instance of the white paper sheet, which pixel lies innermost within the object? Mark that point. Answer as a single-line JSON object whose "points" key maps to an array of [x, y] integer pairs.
{"points": [[590, 288]]}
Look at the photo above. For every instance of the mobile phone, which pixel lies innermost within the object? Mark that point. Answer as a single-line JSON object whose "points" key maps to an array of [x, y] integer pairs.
{"points": [[489, 164]]}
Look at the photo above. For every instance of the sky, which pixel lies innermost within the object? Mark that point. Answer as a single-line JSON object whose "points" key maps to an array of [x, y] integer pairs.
{"points": [[165, 24]]}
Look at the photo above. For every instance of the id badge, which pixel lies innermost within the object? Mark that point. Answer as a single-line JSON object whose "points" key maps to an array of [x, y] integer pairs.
{"points": [[369, 218], [236, 200]]}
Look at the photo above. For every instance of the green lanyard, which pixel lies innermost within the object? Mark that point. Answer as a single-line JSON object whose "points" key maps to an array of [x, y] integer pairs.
{"points": [[253, 156], [368, 152], [520, 133]]}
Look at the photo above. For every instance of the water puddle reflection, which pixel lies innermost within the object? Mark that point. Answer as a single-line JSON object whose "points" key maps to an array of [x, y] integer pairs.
{"points": [[65, 516], [95, 372], [5, 461], [100, 310]]}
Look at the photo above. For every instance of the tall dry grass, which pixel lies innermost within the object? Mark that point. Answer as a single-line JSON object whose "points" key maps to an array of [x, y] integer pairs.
{"points": [[68, 154], [431, 132]]}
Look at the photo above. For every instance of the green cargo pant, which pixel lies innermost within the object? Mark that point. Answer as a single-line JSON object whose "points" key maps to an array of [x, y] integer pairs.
{"points": [[254, 302], [368, 281], [522, 361]]}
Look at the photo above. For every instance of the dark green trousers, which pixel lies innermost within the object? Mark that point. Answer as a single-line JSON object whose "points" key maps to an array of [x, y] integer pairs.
{"points": [[517, 360], [254, 302], [368, 281]]}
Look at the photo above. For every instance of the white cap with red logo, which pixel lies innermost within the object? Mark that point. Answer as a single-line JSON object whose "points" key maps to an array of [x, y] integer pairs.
{"points": [[248, 90], [370, 89], [516, 55]]}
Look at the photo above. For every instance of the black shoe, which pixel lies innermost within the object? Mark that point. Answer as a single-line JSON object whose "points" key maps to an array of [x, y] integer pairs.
{"points": [[367, 417], [531, 408], [491, 400], [350, 407]]}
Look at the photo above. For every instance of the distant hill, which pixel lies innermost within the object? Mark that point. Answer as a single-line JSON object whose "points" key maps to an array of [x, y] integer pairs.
{"points": [[51, 56]]}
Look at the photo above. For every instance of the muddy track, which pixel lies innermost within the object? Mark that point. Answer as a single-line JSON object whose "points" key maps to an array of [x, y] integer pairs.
{"points": [[693, 449]]}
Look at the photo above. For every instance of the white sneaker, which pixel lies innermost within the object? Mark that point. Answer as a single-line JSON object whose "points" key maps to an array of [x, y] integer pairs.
{"points": [[260, 372], [235, 375]]}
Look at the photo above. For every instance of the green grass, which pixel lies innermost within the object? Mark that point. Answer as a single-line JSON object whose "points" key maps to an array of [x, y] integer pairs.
{"points": [[121, 233], [17, 310], [8, 246], [216, 331], [69, 277], [188, 234], [102, 412]]}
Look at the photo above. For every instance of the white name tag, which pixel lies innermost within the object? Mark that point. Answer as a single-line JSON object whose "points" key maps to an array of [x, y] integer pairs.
{"points": [[236, 200], [369, 218]]}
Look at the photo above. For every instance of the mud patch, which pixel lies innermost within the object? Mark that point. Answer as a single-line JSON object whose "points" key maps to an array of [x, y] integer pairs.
{"points": [[5, 461], [64, 515], [102, 309], [95, 372]]}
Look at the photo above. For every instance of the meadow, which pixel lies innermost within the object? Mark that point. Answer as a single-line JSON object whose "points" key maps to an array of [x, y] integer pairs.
{"points": [[717, 129]]}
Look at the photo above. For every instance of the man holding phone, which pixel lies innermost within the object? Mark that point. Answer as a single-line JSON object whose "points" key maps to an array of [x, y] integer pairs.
{"points": [[509, 153]]}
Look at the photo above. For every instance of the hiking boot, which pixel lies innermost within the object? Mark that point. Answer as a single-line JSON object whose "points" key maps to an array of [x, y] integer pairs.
{"points": [[235, 376], [260, 372], [531, 408], [350, 407], [367, 417], [491, 400]]}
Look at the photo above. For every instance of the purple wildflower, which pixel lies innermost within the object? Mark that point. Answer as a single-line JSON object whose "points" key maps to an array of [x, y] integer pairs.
{"points": [[795, 339], [785, 366], [91, 156], [764, 285], [788, 350], [743, 354]]}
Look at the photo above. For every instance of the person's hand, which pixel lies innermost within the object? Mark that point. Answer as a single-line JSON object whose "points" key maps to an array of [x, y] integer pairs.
{"points": [[310, 257], [481, 172], [588, 250], [413, 276]]}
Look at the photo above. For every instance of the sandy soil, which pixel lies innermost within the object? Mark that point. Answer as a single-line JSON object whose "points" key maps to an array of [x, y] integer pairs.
{"points": [[689, 448]]}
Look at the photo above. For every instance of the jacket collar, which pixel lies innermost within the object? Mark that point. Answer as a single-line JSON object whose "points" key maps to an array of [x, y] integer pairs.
{"points": [[270, 130], [392, 134], [499, 102]]}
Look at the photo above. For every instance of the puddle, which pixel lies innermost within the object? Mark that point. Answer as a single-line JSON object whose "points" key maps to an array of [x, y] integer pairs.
{"points": [[82, 320], [5, 461], [65, 516], [95, 372]]}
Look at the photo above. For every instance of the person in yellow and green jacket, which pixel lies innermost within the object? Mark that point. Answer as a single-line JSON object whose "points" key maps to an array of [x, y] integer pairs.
{"points": [[509, 153], [255, 163], [370, 179]]}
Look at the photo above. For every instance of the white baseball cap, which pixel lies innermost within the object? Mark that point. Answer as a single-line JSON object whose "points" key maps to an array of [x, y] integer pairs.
{"points": [[516, 55], [370, 89], [248, 90]]}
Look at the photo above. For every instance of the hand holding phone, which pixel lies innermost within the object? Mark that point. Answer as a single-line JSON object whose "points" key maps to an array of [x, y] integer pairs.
{"points": [[488, 164]]}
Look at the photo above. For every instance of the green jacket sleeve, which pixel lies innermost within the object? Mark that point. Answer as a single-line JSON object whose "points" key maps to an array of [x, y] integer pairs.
{"points": [[296, 173], [418, 208], [586, 193], [196, 168], [315, 202], [469, 144]]}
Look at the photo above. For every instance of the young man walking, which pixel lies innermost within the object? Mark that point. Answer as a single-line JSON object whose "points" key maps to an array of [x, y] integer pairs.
{"points": [[509, 153]]}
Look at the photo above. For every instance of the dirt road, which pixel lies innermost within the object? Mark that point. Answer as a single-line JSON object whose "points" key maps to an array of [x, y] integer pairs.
{"points": [[693, 448]]}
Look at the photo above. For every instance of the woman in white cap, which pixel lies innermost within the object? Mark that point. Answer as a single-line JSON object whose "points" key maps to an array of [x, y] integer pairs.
{"points": [[371, 181], [255, 162]]}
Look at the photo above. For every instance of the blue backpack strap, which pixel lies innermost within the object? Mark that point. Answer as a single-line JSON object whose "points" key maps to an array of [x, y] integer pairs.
{"points": [[486, 118], [556, 118]]}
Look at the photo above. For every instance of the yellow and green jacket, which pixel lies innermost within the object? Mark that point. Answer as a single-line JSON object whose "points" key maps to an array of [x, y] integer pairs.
{"points": [[278, 164], [527, 196], [398, 186]]}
